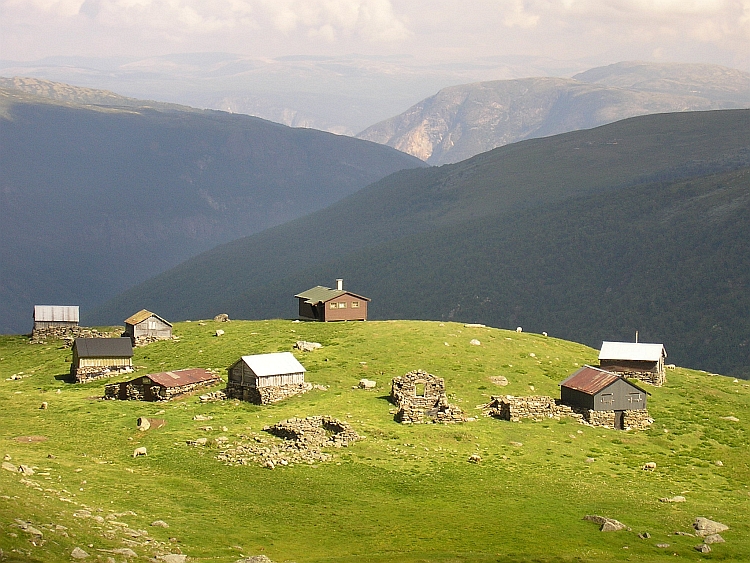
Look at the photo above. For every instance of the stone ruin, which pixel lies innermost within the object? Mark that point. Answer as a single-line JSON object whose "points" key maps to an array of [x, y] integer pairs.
{"points": [[68, 334], [420, 398], [295, 440], [539, 408]]}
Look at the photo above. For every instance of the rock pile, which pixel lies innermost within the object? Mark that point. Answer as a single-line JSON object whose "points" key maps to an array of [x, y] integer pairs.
{"points": [[297, 440], [420, 398], [305, 346], [68, 334]]}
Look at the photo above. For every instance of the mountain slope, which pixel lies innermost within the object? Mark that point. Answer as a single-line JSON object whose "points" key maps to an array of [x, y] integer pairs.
{"points": [[436, 243], [97, 198], [462, 121]]}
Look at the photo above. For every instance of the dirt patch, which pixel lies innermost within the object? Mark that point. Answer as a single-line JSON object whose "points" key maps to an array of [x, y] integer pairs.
{"points": [[30, 439]]}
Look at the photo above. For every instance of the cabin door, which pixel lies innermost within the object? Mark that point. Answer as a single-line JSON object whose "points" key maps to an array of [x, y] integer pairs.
{"points": [[147, 393], [619, 420]]}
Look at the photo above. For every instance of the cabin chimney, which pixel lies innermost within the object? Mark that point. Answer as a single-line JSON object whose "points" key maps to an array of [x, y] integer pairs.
{"points": [[340, 284]]}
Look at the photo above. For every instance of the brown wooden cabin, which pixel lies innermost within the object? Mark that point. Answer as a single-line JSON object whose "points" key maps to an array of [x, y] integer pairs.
{"points": [[94, 357], [640, 360], [48, 316], [325, 304], [258, 378], [161, 386], [145, 324], [600, 390]]}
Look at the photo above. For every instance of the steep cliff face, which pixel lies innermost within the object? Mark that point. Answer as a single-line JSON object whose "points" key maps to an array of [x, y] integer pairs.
{"points": [[462, 121]]}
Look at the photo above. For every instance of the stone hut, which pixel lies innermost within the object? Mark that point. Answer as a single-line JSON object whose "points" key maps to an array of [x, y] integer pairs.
{"points": [[94, 358], [161, 386], [604, 397], [641, 361], [420, 397], [266, 378], [54, 321], [145, 326], [325, 304]]}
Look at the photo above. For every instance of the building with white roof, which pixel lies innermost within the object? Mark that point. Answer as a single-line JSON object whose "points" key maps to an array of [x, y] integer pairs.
{"points": [[266, 378], [639, 360]]}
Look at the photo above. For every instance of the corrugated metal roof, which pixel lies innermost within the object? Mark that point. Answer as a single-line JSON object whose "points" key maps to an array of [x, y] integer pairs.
{"points": [[319, 294], [636, 351], [181, 377], [141, 316], [104, 347], [56, 313], [276, 363], [590, 380]]}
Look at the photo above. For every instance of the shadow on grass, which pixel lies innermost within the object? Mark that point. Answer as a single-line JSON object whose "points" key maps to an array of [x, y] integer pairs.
{"points": [[65, 378]]}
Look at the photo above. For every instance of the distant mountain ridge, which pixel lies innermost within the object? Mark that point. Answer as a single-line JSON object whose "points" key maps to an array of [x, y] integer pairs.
{"points": [[589, 235], [99, 192], [461, 121]]}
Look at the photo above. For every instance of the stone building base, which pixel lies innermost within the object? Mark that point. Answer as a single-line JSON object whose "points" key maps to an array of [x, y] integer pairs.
{"points": [[657, 379], [539, 408], [266, 395], [136, 392], [68, 334], [86, 374]]}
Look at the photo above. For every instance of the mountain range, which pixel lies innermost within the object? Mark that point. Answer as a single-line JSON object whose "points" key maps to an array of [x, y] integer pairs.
{"points": [[99, 192], [588, 235], [461, 121]]}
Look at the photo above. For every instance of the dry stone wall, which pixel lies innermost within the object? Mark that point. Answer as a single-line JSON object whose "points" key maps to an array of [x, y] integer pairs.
{"points": [[92, 373], [420, 398], [68, 334], [539, 408], [266, 395], [657, 379], [137, 392]]}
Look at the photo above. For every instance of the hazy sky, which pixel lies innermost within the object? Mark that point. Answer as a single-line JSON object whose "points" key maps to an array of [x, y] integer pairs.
{"points": [[603, 31]]}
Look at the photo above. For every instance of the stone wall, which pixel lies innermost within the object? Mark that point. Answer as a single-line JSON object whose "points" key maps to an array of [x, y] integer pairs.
{"points": [[429, 406], [68, 334], [265, 395], [136, 391], [657, 379], [321, 431], [91, 373], [539, 408]]}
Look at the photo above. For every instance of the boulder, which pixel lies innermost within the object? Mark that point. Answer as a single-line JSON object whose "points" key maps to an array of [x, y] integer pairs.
{"points": [[78, 553], [678, 498], [160, 524], [9, 466], [222, 318], [713, 538], [703, 548], [172, 558], [705, 527], [475, 342], [219, 332], [607, 524], [367, 384]]}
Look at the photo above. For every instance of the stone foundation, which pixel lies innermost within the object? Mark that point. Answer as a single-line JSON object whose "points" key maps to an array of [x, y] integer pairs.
{"points": [[136, 392], [539, 408], [420, 397], [145, 340], [86, 374], [266, 395], [657, 379]]}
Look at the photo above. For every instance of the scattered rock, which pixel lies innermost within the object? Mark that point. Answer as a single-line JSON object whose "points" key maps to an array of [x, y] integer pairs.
{"points": [[713, 538], [678, 498], [172, 558], [475, 342], [730, 418], [705, 527], [644, 535], [499, 380], [28, 528], [516, 444], [366, 384], [202, 417], [78, 553], [160, 524], [9, 466], [719, 463], [684, 534], [662, 545], [143, 424], [219, 332], [198, 442], [607, 524], [590, 460], [475, 325], [255, 559], [305, 346], [44, 406], [703, 548], [25, 469], [223, 318]]}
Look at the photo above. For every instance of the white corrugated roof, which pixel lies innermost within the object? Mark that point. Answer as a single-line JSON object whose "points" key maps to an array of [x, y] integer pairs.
{"points": [[638, 351], [52, 313], [276, 363]]}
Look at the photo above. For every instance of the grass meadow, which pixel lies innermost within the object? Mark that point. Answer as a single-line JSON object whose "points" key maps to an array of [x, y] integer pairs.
{"points": [[404, 493]]}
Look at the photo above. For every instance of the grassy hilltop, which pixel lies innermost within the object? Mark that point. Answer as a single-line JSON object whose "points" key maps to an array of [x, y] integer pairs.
{"points": [[404, 493]]}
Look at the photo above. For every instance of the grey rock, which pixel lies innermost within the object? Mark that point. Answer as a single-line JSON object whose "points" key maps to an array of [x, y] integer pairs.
{"points": [[607, 524], [703, 548], [305, 346], [222, 318], [677, 498], [367, 384], [662, 545], [9, 467], [26, 470], [160, 524], [255, 559], [78, 553], [705, 527], [713, 538]]}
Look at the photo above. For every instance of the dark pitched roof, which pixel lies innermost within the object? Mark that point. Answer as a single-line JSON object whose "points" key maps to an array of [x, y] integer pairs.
{"points": [[181, 377], [320, 294], [591, 380], [103, 347]]}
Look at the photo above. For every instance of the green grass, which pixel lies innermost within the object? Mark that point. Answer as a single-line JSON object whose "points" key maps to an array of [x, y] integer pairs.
{"points": [[405, 493]]}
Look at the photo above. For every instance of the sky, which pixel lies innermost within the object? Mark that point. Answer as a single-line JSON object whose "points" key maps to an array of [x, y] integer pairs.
{"points": [[599, 31]]}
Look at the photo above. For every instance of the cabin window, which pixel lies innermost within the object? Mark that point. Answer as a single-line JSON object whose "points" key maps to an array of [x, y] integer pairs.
{"points": [[419, 389], [355, 304], [607, 398], [634, 398], [334, 305], [342, 305], [152, 325], [146, 381]]}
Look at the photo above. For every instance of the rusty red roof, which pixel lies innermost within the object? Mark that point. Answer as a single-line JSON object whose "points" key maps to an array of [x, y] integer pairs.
{"points": [[590, 380], [181, 377]]}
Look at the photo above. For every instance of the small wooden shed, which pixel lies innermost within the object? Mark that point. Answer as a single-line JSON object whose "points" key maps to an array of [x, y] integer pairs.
{"points": [[49, 316], [596, 389], [640, 360], [325, 304], [161, 386], [145, 325], [266, 378], [100, 357]]}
